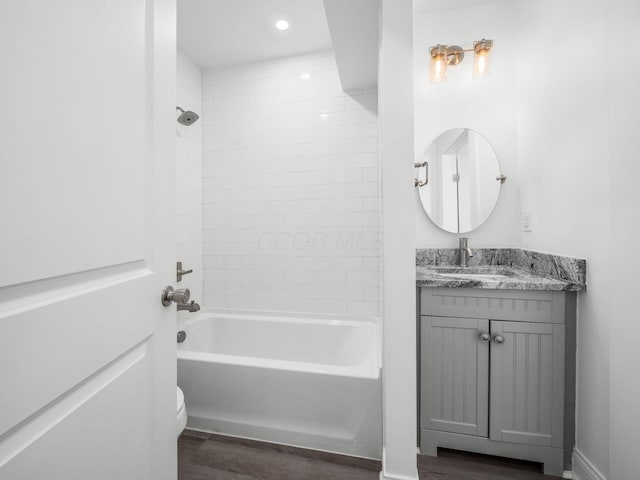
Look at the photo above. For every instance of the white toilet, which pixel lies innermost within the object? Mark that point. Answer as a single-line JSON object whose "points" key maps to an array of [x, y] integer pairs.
{"points": [[182, 413]]}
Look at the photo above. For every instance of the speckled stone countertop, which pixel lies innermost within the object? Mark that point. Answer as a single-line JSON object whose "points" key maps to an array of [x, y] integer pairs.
{"points": [[500, 268]]}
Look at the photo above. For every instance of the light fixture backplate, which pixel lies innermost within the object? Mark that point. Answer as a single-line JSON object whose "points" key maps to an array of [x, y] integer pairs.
{"points": [[455, 54]]}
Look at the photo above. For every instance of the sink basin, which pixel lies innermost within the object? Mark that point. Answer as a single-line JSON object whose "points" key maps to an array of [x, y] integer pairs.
{"points": [[486, 272]]}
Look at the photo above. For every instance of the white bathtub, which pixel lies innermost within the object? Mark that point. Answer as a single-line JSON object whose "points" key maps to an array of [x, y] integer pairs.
{"points": [[309, 382]]}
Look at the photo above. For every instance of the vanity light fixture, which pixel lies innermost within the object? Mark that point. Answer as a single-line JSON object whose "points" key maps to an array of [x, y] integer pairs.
{"points": [[444, 55]]}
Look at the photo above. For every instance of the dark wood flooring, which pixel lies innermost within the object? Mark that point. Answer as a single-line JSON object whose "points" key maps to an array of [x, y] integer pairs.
{"points": [[203, 456]]}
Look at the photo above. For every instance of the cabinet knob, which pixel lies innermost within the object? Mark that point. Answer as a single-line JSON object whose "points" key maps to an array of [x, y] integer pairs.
{"points": [[485, 337], [498, 339]]}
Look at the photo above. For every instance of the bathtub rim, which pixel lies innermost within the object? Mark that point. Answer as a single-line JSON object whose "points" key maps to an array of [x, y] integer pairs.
{"points": [[370, 369], [185, 321]]}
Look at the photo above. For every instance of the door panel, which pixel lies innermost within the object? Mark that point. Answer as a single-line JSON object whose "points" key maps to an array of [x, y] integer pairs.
{"points": [[91, 439], [527, 378], [57, 341], [454, 365], [73, 142], [87, 147]]}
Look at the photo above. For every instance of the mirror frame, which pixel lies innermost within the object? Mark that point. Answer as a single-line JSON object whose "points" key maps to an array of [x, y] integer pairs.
{"points": [[427, 164]]}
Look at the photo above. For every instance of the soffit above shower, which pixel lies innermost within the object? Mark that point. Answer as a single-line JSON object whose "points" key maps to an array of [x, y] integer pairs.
{"points": [[354, 32], [220, 33], [422, 6]]}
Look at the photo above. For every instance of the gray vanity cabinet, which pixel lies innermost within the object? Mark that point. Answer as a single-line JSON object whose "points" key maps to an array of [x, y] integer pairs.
{"points": [[455, 378], [492, 373], [527, 383]]}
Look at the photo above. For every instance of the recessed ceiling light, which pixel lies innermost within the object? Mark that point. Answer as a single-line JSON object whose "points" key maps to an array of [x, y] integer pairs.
{"points": [[282, 25], [305, 76], [324, 116]]}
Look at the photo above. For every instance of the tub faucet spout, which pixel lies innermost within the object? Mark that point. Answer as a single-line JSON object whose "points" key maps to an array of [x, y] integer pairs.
{"points": [[192, 306]]}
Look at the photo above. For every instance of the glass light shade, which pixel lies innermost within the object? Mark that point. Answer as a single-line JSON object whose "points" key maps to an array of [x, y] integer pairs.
{"points": [[438, 68], [481, 62]]}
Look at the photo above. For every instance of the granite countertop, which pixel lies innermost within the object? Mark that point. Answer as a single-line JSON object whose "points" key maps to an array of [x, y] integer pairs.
{"points": [[503, 269]]}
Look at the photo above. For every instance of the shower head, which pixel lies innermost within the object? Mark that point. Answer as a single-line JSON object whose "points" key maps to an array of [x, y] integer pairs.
{"points": [[187, 117]]}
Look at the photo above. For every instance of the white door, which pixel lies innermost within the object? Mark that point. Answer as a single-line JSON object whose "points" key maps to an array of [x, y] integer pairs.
{"points": [[87, 144]]}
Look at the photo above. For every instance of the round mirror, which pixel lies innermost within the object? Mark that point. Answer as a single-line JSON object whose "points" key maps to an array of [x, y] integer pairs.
{"points": [[462, 178]]}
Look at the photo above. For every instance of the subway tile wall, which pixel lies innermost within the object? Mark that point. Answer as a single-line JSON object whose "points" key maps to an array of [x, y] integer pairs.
{"points": [[291, 189], [189, 178]]}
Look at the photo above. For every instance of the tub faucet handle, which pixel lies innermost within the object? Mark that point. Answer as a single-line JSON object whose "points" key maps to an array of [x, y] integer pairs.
{"points": [[169, 295], [180, 272]]}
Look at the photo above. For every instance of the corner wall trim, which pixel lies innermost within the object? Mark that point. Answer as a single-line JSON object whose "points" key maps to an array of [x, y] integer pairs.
{"points": [[583, 469], [388, 476], [384, 475]]}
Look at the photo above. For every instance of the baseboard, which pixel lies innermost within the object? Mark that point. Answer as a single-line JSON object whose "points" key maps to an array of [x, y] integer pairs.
{"points": [[384, 475], [551, 457], [387, 476], [583, 469]]}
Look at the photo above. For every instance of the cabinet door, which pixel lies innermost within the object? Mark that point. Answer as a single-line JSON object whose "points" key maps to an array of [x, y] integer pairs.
{"points": [[527, 383], [455, 375]]}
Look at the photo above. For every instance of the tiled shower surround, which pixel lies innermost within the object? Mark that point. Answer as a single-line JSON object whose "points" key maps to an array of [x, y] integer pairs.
{"points": [[290, 189], [189, 178]]}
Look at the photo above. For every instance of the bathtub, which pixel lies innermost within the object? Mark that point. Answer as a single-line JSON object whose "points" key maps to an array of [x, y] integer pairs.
{"points": [[309, 382]]}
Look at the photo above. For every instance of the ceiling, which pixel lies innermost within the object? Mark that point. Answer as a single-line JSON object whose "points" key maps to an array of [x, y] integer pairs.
{"points": [[219, 33], [421, 6]]}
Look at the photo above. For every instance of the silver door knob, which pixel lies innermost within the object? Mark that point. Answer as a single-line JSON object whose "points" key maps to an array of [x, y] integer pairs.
{"points": [[498, 339], [485, 337], [170, 295]]}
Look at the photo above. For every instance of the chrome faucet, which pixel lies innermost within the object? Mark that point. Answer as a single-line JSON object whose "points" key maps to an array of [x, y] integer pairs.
{"points": [[192, 306], [465, 252]]}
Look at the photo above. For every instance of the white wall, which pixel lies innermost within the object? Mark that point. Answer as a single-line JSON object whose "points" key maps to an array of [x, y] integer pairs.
{"points": [[576, 171], [487, 106], [399, 396], [189, 177], [622, 322], [291, 191], [564, 178]]}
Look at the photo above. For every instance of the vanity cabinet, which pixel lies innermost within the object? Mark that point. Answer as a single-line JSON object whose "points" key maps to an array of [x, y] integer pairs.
{"points": [[492, 373]]}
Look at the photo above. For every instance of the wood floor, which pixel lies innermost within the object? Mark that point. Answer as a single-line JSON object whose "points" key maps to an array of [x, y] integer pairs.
{"points": [[203, 456]]}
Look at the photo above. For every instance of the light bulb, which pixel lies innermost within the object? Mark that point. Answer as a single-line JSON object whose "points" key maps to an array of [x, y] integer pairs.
{"points": [[438, 67], [282, 25], [482, 59]]}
